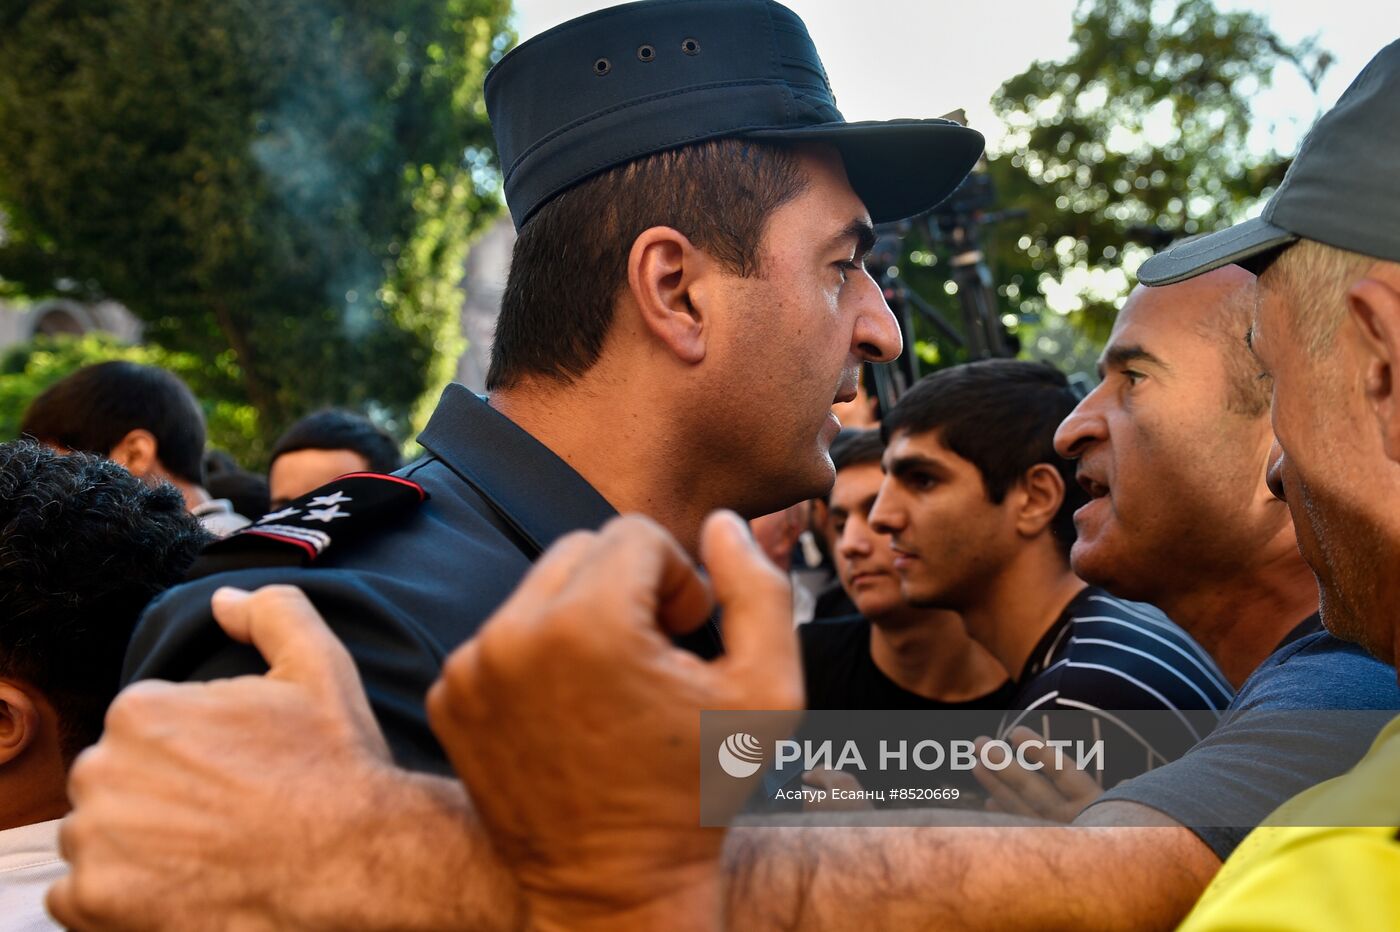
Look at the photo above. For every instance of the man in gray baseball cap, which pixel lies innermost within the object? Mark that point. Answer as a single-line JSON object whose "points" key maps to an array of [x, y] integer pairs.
{"points": [[1326, 329]]}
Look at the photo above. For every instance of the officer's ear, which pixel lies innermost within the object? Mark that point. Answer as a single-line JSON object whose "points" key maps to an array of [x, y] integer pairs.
{"points": [[666, 277], [137, 451], [1373, 304]]}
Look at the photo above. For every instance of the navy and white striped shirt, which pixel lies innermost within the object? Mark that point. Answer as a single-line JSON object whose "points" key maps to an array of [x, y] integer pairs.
{"points": [[1105, 655]]}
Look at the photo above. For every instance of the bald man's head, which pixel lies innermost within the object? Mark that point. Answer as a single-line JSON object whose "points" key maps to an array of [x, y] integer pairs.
{"points": [[1173, 445], [1220, 306]]}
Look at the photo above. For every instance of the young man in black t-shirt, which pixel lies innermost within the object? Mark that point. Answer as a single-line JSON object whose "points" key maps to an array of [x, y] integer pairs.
{"points": [[892, 655]]}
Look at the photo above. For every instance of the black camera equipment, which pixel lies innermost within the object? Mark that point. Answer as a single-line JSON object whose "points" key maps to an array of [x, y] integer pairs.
{"points": [[955, 227]]}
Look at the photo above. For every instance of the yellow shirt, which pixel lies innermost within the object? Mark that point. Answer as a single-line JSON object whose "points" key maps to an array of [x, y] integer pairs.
{"points": [[1344, 877]]}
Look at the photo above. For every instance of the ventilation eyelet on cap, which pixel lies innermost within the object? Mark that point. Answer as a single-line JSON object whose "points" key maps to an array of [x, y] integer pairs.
{"points": [[690, 46], [646, 53], [601, 67]]}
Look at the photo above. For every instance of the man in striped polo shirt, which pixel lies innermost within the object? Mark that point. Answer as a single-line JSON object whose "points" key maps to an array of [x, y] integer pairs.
{"points": [[980, 508]]}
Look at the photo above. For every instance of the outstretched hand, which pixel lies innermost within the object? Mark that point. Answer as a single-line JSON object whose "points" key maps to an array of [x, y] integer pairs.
{"points": [[1056, 794]]}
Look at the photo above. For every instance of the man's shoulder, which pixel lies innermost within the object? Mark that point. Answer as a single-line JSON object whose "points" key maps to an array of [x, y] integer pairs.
{"points": [[29, 864], [1134, 652], [1319, 646], [1097, 615], [397, 627], [430, 571], [1320, 671]]}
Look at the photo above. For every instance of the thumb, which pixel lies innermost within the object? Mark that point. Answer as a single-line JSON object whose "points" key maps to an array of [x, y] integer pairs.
{"points": [[756, 600], [299, 648]]}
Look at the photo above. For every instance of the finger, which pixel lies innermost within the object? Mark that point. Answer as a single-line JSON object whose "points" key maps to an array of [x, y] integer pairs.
{"points": [[519, 615], [1037, 753], [999, 793], [1073, 787], [1004, 798], [755, 597], [995, 782], [1021, 734], [286, 629], [1072, 783], [66, 908], [845, 781], [450, 698], [637, 550], [59, 902], [555, 569], [1035, 790], [299, 647]]}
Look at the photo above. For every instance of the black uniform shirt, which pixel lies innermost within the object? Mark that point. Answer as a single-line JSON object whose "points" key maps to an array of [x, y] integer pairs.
{"points": [[402, 599]]}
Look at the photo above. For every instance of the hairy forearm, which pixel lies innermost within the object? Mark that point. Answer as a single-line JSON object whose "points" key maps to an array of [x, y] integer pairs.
{"points": [[689, 901], [968, 878], [416, 858], [412, 857]]}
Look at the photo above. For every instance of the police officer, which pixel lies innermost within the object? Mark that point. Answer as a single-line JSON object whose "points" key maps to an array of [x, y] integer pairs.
{"points": [[686, 301]]}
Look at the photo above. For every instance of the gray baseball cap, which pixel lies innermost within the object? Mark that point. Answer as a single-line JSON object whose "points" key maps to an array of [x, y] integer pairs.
{"points": [[1343, 189], [629, 81]]}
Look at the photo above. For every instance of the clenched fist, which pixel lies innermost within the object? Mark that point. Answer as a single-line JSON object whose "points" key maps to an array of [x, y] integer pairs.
{"points": [[575, 721]]}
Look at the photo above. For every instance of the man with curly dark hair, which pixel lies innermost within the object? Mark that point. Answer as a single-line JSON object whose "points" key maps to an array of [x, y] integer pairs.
{"points": [[84, 545]]}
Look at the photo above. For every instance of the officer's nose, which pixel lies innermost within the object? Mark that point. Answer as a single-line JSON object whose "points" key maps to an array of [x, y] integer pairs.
{"points": [[876, 336]]}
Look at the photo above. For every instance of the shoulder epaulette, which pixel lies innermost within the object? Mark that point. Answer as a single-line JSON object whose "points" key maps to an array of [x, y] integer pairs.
{"points": [[349, 507]]}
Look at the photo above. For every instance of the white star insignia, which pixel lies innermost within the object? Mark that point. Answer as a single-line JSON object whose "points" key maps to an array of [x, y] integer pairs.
{"points": [[279, 515], [325, 515], [335, 499]]}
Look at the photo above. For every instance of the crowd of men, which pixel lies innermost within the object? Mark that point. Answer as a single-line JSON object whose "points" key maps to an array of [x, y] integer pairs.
{"points": [[148, 421], [469, 694]]}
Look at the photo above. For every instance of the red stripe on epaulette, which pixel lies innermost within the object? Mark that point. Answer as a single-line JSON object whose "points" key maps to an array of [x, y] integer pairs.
{"points": [[353, 506], [310, 550], [422, 495]]}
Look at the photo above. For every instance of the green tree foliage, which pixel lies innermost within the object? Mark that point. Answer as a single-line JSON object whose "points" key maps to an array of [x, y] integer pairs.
{"points": [[281, 189], [1138, 138], [26, 369]]}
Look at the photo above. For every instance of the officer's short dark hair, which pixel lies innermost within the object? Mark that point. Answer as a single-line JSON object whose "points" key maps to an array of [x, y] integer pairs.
{"points": [[570, 260], [95, 407], [855, 446], [84, 546], [1001, 416], [333, 429]]}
